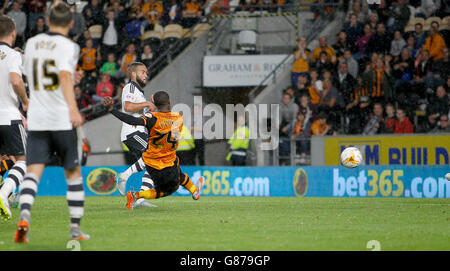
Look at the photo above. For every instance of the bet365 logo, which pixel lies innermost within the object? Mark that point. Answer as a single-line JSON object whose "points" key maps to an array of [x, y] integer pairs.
{"points": [[371, 2]]}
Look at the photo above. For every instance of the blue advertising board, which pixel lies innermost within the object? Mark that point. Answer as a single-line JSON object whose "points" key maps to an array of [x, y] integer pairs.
{"points": [[308, 181]]}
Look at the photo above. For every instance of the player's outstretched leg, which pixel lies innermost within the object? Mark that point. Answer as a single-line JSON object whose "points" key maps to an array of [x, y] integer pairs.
{"points": [[122, 178], [15, 177], [195, 190]]}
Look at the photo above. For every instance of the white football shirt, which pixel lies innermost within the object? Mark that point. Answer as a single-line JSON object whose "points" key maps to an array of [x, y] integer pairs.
{"points": [[133, 93], [10, 61], [46, 55]]}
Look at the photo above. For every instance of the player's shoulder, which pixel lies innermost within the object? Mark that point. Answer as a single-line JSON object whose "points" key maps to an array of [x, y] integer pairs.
{"points": [[51, 40], [8, 51], [131, 88]]}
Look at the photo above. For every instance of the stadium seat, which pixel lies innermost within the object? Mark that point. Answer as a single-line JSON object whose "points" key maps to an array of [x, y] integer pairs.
{"points": [[199, 29], [429, 20], [96, 31], [159, 28], [172, 33], [152, 37], [412, 23], [445, 23], [151, 34]]}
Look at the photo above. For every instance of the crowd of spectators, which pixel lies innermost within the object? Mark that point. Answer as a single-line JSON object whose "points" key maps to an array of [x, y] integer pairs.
{"points": [[382, 75], [104, 57]]}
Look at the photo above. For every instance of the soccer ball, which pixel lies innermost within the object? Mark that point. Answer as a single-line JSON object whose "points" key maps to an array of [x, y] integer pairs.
{"points": [[351, 157]]}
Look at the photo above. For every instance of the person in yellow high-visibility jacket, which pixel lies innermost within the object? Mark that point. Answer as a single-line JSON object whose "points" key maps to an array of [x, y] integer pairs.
{"points": [[186, 147], [239, 143]]}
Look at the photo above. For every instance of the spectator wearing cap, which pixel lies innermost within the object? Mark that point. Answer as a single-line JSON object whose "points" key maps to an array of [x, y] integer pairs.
{"points": [[403, 125], [434, 43]]}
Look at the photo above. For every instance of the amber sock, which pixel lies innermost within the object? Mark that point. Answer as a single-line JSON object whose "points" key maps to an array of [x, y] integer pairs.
{"points": [[187, 183]]}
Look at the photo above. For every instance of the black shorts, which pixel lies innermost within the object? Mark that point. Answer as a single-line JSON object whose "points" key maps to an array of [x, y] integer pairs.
{"points": [[166, 180], [43, 145], [13, 138], [137, 143]]}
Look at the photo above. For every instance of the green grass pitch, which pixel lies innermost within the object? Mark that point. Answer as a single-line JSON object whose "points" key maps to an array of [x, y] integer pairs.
{"points": [[241, 224]]}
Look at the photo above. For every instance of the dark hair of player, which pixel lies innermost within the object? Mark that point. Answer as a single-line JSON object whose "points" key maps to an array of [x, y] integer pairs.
{"points": [[7, 26], [60, 15], [161, 99]]}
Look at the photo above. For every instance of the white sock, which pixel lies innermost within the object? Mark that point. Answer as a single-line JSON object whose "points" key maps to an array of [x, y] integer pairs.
{"points": [[138, 166], [15, 178]]}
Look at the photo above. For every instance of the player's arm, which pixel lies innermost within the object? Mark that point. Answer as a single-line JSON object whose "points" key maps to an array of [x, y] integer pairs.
{"points": [[137, 107], [19, 88], [65, 78], [141, 121]]}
